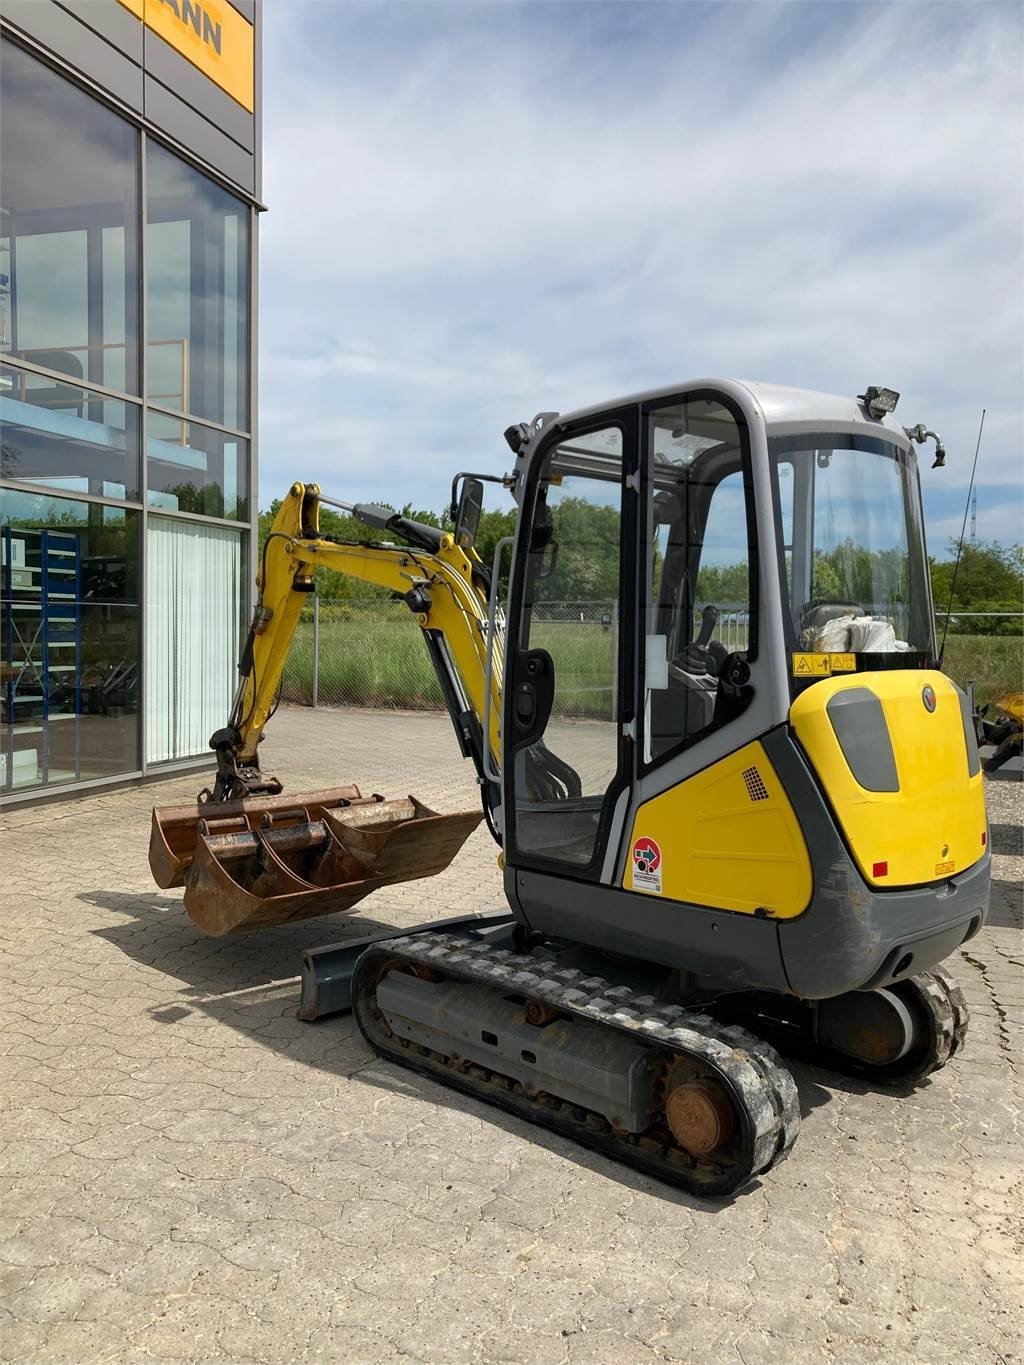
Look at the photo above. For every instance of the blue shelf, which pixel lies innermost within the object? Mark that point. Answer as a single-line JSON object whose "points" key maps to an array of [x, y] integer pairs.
{"points": [[41, 644]]}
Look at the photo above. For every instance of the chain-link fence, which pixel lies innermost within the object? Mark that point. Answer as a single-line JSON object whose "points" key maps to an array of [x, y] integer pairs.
{"points": [[368, 652], [360, 653]]}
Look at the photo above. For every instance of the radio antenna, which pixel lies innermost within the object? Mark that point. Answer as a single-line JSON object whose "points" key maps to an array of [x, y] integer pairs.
{"points": [[960, 546]]}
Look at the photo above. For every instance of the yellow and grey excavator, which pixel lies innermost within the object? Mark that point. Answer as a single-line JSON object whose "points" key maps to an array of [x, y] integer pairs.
{"points": [[738, 806]]}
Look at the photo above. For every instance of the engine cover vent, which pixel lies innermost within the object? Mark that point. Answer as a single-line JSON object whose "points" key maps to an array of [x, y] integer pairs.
{"points": [[756, 789]]}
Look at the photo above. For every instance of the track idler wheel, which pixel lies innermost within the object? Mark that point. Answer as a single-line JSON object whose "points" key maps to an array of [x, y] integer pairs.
{"points": [[700, 1116]]}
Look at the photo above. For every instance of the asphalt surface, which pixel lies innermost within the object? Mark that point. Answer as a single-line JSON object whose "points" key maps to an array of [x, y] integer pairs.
{"points": [[187, 1172]]}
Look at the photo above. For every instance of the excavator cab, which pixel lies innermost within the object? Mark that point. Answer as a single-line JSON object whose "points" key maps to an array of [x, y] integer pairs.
{"points": [[721, 631]]}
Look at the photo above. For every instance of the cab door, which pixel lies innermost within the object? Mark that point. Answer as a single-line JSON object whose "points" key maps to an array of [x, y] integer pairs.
{"points": [[569, 696]]}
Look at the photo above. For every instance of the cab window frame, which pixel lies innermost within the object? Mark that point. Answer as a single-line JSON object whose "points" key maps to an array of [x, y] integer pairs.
{"points": [[744, 466], [780, 446], [626, 419]]}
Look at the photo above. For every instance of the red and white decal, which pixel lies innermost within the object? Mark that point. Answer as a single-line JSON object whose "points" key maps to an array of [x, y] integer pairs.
{"points": [[646, 864]]}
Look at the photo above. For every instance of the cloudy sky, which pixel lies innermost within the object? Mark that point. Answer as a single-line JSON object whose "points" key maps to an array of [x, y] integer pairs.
{"points": [[479, 211]]}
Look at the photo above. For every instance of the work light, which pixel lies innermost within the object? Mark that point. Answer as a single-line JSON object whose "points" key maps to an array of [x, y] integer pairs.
{"points": [[879, 401]]}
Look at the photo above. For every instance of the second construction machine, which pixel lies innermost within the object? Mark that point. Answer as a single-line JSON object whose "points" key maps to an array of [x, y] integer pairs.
{"points": [[720, 830]]}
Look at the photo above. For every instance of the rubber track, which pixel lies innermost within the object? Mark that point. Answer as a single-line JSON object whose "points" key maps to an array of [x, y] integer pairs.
{"points": [[955, 997], [750, 1068], [933, 993]]}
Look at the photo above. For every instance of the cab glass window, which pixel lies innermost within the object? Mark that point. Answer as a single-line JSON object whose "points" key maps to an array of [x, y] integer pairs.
{"points": [[699, 601], [855, 577], [571, 612]]}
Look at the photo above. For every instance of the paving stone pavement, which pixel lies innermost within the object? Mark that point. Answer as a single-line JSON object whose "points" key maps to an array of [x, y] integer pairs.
{"points": [[189, 1173]]}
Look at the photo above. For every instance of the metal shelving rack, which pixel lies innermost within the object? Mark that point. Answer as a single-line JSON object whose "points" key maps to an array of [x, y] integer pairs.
{"points": [[42, 652]]}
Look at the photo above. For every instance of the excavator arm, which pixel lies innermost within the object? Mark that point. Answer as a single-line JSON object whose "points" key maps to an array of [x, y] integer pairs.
{"points": [[249, 857], [443, 585]]}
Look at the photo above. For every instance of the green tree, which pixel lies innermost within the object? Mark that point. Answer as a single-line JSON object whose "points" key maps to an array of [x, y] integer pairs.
{"points": [[987, 572]]}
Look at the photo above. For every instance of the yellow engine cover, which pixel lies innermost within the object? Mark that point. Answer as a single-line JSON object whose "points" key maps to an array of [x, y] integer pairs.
{"points": [[727, 838], [935, 824]]}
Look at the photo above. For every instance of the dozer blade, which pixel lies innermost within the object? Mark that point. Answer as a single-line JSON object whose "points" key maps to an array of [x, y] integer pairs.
{"points": [[286, 868], [175, 829]]}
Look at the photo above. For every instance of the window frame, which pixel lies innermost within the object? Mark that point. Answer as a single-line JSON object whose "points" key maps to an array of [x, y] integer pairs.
{"points": [[144, 135], [130, 605], [906, 461], [626, 421], [745, 467], [93, 225], [245, 266]]}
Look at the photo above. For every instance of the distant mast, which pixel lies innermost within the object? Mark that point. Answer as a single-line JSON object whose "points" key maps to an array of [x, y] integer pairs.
{"points": [[974, 516]]}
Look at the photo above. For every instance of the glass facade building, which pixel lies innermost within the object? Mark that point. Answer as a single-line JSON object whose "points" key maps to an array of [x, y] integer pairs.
{"points": [[129, 182]]}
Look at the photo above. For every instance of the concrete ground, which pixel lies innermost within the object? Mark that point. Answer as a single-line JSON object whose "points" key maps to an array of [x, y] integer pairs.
{"points": [[189, 1173]]}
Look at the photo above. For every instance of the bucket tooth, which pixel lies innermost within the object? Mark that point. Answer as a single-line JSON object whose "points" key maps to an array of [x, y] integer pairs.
{"points": [[305, 858], [175, 829]]}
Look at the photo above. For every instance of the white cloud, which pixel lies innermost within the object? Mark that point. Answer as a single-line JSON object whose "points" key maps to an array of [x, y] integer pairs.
{"points": [[483, 211]]}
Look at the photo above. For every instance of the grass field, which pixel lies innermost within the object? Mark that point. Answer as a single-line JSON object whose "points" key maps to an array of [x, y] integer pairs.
{"points": [[378, 659], [994, 663]]}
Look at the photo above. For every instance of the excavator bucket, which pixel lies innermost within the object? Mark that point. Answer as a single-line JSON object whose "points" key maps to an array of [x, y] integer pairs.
{"points": [[276, 860], [175, 829]]}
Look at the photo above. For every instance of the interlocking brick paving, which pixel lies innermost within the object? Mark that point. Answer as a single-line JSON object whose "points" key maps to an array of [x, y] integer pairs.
{"points": [[189, 1173]]}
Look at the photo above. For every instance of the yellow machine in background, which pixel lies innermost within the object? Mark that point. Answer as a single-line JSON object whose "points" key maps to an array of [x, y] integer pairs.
{"points": [[720, 824], [1004, 730]]}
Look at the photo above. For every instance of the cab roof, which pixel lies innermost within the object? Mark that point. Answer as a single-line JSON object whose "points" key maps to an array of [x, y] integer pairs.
{"points": [[784, 409]]}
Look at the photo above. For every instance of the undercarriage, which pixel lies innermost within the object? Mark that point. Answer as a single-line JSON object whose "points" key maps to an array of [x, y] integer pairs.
{"points": [[687, 1094]]}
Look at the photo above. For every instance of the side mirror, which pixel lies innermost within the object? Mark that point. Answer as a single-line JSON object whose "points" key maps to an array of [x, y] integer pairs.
{"points": [[467, 514]]}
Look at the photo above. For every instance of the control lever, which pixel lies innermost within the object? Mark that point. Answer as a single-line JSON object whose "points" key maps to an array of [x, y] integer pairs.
{"points": [[708, 620], [696, 658]]}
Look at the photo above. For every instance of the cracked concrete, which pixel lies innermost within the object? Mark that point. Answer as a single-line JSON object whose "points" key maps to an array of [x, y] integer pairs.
{"points": [[190, 1174]]}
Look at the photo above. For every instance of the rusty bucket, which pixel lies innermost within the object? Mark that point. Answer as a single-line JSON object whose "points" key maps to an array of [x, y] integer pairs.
{"points": [[174, 832], [280, 860]]}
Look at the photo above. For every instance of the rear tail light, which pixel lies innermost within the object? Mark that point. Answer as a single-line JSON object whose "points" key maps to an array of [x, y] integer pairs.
{"points": [[880, 869]]}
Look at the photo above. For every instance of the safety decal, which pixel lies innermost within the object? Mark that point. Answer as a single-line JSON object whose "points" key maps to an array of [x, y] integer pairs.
{"points": [[811, 666], [646, 865]]}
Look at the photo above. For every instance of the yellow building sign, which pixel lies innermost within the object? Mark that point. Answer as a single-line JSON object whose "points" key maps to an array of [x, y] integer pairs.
{"points": [[211, 34]]}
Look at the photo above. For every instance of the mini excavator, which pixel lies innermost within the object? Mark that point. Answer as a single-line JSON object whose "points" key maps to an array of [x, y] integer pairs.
{"points": [[738, 807]]}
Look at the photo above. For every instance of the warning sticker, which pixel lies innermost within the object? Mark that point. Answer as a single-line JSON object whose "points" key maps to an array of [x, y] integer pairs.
{"points": [[646, 865], [843, 663], [811, 665]]}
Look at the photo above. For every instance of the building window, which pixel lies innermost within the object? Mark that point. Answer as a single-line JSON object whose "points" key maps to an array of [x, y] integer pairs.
{"points": [[69, 641], [197, 469], [74, 322], [198, 303], [55, 433], [68, 228], [194, 595]]}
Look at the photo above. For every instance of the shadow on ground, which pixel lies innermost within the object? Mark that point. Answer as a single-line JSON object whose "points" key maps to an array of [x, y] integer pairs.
{"points": [[1006, 906], [1007, 774], [1006, 838], [236, 980]]}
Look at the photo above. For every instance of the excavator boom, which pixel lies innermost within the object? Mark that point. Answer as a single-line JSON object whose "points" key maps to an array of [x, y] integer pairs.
{"points": [[250, 857]]}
